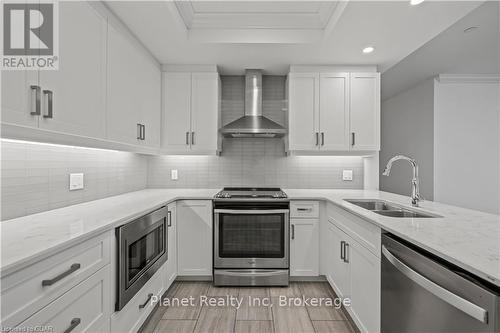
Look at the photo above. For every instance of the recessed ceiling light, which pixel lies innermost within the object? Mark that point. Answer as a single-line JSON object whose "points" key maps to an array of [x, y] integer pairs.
{"points": [[368, 49], [416, 2]]}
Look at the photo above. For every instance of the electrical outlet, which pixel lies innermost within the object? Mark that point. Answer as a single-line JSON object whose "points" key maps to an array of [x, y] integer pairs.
{"points": [[75, 181], [347, 175], [174, 175]]}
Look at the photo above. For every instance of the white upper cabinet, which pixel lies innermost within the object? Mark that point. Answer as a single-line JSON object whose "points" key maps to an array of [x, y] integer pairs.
{"points": [[134, 92], [19, 105], [78, 88], [365, 111], [107, 87], [204, 111], [177, 111], [303, 104], [334, 112], [191, 106]]}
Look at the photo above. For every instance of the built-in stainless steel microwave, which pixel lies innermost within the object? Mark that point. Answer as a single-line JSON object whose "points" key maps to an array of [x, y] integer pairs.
{"points": [[142, 250]]}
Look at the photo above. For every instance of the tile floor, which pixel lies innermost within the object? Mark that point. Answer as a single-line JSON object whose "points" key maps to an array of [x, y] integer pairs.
{"points": [[250, 316]]}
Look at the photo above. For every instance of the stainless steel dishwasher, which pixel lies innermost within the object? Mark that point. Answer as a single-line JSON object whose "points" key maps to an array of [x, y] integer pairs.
{"points": [[421, 293]]}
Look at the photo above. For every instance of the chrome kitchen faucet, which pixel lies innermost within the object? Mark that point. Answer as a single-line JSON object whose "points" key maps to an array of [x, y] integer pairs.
{"points": [[415, 189]]}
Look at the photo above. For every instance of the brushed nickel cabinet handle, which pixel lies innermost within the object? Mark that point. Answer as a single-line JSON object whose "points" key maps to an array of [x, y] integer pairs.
{"points": [[50, 97], [37, 96], [187, 138], [353, 142], [139, 131], [74, 323], [322, 138], [143, 132], [304, 209], [317, 139], [346, 252], [143, 305], [293, 231], [169, 218], [192, 138], [342, 255], [61, 276]]}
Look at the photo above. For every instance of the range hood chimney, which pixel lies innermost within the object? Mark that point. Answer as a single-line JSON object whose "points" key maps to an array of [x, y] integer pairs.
{"points": [[253, 123]]}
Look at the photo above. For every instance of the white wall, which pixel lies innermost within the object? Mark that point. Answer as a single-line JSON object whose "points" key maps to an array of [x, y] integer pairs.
{"points": [[466, 148], [407, 128]]}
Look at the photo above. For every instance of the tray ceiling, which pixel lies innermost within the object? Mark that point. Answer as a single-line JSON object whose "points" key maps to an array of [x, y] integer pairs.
{"points": [[258, 21]]}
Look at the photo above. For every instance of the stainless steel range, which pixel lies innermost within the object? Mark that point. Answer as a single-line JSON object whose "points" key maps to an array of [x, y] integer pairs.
{"points": [[251, 234]]}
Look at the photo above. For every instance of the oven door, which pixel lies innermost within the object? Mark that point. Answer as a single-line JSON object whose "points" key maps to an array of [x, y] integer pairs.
{"points": [[142, 249], [251, 238]]}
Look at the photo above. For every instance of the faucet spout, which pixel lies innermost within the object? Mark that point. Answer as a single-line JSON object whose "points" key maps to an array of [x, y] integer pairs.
{"points": [[415, 182]]}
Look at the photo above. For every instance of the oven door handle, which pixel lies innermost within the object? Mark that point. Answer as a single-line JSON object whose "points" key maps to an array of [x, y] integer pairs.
{"points": [[251, 212]]}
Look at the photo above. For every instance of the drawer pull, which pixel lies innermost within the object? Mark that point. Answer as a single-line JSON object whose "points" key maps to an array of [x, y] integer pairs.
{"points": [[74, 323], [304, 209], [72, 269], [143, 305]]}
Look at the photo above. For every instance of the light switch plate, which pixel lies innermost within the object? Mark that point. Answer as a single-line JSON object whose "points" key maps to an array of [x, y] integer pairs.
{"points": [[347, 175], [173, 174], [75, 181]]}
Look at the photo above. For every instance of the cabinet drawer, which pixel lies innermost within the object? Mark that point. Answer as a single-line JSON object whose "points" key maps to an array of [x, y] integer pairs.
{"points": [[306, 209], [133, 315], [26, 291], [362, 231], [85, 308]]}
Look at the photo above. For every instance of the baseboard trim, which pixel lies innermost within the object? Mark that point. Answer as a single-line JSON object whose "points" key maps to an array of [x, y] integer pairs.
{"points": [[201, 278], [320, 278]]}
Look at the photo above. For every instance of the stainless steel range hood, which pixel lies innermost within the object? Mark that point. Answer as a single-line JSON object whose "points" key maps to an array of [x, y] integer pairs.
{"points": [[253, 123]]}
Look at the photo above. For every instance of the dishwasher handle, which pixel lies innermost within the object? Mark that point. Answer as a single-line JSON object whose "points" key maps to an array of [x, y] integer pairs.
{"points": [[460, 303]]}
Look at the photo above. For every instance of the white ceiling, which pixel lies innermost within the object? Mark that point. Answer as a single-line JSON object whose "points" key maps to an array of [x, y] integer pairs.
{"points": [[273, 35], [452, 52]]}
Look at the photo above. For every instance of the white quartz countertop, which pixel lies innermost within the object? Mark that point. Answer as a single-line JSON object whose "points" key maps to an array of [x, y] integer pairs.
{"points": [[466, 238]]}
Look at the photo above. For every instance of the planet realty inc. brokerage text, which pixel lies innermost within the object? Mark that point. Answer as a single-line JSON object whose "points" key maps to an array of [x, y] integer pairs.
{"points": [[251, 301]]}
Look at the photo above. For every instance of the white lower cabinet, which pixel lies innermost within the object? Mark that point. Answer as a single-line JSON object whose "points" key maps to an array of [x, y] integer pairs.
{"points": [[85, 308], [353, 271], [194, 237], [171, 265], [304, 247], [365, 288], [131, 317], [338, 270]]}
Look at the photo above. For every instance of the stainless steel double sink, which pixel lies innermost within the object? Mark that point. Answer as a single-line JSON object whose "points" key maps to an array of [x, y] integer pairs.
{"points": [[390, 209]]}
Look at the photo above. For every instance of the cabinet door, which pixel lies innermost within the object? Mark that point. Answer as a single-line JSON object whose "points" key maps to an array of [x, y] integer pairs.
{"points": [[204, 111], [194, 237], [303, 111], [176, 111], [304, 250], [148, 90], [171, 270], [78, 87], [334, 111], [18, 99], [365, 111], [365, 287], [123, 103], [339, 269]]}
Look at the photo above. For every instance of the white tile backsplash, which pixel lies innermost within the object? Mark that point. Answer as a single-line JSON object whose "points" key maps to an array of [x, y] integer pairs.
{"points": [[254, 162], [35, 177]]}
